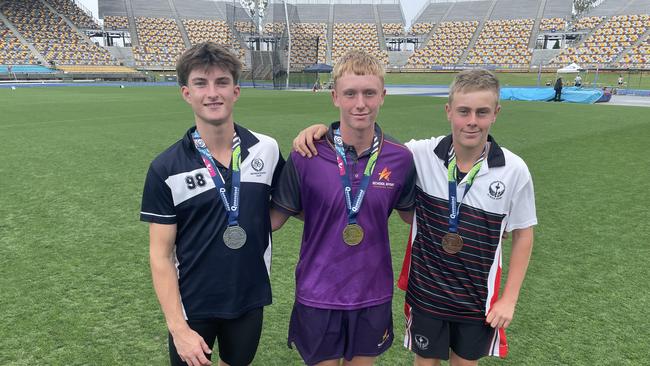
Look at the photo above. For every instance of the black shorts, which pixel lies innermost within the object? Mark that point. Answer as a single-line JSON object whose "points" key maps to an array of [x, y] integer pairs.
{"points": [[237, 338], [429, 337]]}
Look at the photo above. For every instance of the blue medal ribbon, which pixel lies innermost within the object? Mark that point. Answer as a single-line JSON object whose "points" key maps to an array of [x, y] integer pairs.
{"points": [[353, 204], [454, 203], [219, 182]]}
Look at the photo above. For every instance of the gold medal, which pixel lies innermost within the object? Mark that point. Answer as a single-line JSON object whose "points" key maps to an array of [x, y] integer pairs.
{"points": [[452, 243], [352, 234]]}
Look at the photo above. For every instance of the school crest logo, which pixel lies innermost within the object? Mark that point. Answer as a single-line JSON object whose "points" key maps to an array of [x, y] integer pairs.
{"points": [[257, 164], [422, 342], [496, 190]]}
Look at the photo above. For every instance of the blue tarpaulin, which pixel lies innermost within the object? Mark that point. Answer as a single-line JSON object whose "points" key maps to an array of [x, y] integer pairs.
{"points": [[569, 94], [318, 68]]}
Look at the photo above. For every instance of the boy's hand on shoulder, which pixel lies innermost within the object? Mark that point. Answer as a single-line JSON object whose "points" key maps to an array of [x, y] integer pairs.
{"points": [[303, 144]]}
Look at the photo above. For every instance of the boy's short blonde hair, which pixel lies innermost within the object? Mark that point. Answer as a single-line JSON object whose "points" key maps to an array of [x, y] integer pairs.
{"points": [[474, 80], [358, 62]]}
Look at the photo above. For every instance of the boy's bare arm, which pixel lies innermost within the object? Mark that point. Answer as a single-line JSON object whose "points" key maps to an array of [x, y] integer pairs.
{"points": [[501, 313]]}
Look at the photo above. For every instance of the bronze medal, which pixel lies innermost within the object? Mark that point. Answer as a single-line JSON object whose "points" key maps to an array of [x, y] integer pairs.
{"points": [[352, 234], [234, 237], [452, 243]]}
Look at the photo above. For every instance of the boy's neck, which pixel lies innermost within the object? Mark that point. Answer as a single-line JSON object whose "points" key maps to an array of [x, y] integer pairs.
{"points": [[361, 140], [465, 158], [218, 139]]}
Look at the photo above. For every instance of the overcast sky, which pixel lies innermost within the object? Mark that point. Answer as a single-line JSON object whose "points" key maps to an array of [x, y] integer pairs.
{"points": [[411, 7]]}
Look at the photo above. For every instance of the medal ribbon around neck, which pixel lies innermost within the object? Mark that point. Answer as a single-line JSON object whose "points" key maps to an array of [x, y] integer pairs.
{"points": [[454, 204], [353, 205], [220, 183]]}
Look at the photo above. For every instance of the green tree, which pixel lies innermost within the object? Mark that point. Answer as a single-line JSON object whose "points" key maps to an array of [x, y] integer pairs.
{"points": [[581, 6]]}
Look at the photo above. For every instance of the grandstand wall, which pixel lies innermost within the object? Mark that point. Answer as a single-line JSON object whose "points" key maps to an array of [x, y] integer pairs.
{"points": [[451, 34]]}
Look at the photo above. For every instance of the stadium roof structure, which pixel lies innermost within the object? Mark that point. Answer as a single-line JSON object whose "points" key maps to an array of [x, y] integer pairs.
{"points": [[338, 2]]}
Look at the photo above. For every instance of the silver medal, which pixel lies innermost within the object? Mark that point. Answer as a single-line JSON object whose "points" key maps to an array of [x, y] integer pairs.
{"points": [[234, 237]]}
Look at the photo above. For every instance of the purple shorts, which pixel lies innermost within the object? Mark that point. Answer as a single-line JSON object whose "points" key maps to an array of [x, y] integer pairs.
{"points": [[326, 334]]}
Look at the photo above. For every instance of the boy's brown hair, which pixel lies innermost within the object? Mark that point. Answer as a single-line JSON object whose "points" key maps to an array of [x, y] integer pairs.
{"points": [[204, 55]]}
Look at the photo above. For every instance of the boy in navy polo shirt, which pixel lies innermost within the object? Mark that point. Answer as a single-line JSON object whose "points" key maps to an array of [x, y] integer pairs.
{"points": [[470, 191], [207, 201], [344, 277]]}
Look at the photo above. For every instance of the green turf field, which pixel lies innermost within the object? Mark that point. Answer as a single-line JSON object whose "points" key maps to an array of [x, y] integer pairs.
{"points": [[74, 276]]}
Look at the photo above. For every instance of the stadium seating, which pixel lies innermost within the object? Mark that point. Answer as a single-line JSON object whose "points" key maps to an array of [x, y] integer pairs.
{"points": [[421, 28], [307, 38], [445, 47], [116, 22], [218, 31], [610, 37], [52, 36], [503, 43], [245, 27], [588, 23], [606, 43], [638, 57], [96, 69], [13, 52], [74, 13], [393, 29], [552, 24], [160, 43], [275, 29], [357, 36]]}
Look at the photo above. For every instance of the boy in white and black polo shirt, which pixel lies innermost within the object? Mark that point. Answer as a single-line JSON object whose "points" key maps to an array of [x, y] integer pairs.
{"points": [[207, 201], [470, 191]]}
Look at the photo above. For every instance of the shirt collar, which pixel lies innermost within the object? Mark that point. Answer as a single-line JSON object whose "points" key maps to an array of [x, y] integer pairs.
{"points": [[349, 148], [246, 138], [495, 156]]}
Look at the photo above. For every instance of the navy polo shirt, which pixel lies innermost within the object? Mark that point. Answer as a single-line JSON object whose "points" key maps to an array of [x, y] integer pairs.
{"points": [[214, 280]]}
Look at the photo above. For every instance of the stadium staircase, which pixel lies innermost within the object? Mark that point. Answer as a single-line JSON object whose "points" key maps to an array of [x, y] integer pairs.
{"points": [[330, 35], [479, 29], [542, 57], [69, 23], [535, 31], [435, 27], [20, 37], [262, 64], [179, 24], [381, 38], [398, 58], [642, 39], [591, 32], [123, 54], [433, 30], [135, 41]]}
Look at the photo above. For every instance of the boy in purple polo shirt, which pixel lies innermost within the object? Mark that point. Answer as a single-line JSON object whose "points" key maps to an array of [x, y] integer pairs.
{"points": [[344, 277]]}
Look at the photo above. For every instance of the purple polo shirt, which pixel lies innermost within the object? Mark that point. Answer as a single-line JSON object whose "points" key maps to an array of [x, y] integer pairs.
{"points": [[331, 274]]}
